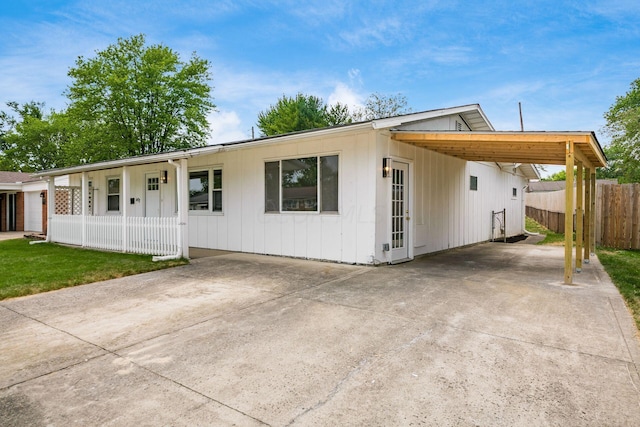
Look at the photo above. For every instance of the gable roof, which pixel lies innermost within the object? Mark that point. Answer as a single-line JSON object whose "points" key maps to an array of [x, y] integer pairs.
{"points": [[472, 114], [482, 137]]}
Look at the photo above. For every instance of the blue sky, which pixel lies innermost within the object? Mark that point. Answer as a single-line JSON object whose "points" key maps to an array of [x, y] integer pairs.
{"points": [[566, 61]]}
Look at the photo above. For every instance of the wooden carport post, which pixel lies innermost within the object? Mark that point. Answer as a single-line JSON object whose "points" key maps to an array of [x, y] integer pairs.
{"points": [[568, 216], [592, 219], [579, 216], [587, 215]]}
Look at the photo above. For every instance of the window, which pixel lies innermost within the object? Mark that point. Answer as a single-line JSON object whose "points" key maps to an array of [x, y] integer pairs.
{"points": [[153, 183], [272, 187], [113, 194], [216, 190], [306, 184], [514, 192], [473, 184], [205, 190]]}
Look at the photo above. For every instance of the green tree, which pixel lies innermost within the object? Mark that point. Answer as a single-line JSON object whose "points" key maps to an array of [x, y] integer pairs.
{"points": [[623, 125], [302, 112], [133, 99], [32, 140], [378, 106], [558, 176], [615, 164]]}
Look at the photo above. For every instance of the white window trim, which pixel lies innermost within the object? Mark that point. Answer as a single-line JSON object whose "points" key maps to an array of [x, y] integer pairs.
{"points": [[119, 178], [318, 211], [209, 211]]}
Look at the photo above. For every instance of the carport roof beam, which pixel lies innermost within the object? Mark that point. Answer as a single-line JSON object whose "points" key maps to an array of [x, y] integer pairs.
{"points": [[505, 147]]}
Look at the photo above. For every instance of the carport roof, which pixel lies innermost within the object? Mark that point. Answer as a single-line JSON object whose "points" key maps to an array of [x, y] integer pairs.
{"points": [[548, 148]]}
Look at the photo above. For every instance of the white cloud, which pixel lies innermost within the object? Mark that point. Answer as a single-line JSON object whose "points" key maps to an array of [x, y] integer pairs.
{"points": [[226, 126], [355, 77], [345, 95], [380, 31]]}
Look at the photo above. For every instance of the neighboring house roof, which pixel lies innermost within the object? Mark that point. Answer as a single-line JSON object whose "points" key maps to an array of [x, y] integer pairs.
{"points": [[546, 186], [14, 177], [12, 181]]}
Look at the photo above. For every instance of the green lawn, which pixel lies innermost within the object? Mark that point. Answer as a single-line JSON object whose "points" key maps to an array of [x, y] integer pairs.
{"points": [[623, 266], [29, 269], [551, 237]]}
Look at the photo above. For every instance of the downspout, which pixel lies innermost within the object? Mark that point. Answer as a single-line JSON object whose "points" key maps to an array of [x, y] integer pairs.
{"points": [[178, 254]]}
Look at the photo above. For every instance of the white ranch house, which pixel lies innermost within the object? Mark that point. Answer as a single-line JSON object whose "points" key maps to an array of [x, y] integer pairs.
{"points": [[363, 193]]}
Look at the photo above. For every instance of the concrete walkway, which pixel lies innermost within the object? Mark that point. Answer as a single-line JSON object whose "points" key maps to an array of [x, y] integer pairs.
{"points": [[9, 235], [486, 335]]}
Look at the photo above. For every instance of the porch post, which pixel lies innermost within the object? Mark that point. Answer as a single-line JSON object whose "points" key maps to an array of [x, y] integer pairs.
{"points": [[51, 206], [568, 215], [182, 185], [587, 215], [579, 217], [125, 208], [85, 207]]}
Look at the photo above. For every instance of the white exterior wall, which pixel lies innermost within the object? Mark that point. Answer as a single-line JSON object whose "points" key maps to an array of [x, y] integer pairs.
{"points": [[444, 212], [137, 174], [348, 236]]}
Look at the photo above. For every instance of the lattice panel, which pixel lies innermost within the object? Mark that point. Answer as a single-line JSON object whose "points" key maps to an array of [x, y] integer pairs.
{"points": [[68, 201]]}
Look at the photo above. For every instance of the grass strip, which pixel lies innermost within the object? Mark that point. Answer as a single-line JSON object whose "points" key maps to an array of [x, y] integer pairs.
{"points": [[551, 237], [623, 266], [29, 269]]}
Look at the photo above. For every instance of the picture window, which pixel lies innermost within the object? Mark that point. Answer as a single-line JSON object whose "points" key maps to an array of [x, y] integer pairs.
{"points": [[307, 184]]}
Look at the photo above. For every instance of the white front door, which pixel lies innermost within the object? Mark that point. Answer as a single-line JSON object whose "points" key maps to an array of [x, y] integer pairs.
{"points": [[32, 211], [152, 195], [399, 212]]}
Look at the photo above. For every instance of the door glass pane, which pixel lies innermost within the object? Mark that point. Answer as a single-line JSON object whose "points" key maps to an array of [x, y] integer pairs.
{"points": [[153, 183], [397, 209]]}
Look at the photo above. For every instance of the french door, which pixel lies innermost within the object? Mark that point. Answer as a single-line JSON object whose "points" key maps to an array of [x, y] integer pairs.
{"points": [[399, 212]]}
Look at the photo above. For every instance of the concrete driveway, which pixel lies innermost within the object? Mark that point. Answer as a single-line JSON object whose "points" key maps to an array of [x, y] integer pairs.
{"points": [[486, 335]]}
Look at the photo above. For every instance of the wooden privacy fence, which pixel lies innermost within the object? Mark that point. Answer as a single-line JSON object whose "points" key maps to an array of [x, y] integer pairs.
{"points": [[554, 221], [617, 213], [618, 210]]}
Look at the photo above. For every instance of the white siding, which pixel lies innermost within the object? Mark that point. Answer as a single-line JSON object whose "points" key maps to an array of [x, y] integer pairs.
{"points": [[137, 189], [244, 226], [445, 212]]}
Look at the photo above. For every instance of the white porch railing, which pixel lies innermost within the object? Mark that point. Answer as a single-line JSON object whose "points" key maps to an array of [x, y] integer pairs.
{"points": [[153, 236]]}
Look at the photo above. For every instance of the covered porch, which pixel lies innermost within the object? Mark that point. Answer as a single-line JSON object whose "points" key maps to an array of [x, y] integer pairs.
{"points": [[575, 150], [104, 206]]}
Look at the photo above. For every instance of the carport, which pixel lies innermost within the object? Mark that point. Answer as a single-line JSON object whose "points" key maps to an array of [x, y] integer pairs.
{"points": [[579, 150]]}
